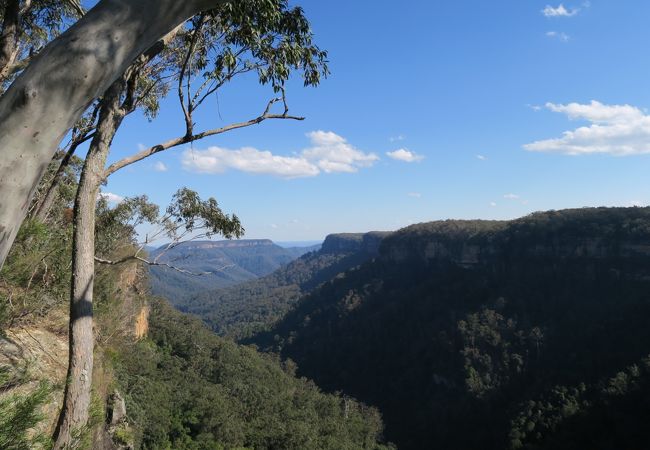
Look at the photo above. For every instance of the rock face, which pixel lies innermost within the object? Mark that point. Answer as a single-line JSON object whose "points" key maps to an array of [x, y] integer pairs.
{"points": [[117, 409], [44, 354], [118, 434], [590, 234], [342, 243], [354, 242]]}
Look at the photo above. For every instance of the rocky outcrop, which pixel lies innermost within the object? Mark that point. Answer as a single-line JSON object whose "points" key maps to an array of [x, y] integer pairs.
{"points": [[39, 355], [590, 234], [116, 409], [142, 323], [354, 242]]}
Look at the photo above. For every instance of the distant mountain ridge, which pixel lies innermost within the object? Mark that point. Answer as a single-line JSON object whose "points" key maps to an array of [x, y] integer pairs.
{"points": [[249, 307], [230, 243], [220, 264]]}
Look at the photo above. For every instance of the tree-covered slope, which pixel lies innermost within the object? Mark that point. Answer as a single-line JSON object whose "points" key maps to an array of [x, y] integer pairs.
{"points": [[475, 334], [188, 388], [241, 310], [184, 387]]}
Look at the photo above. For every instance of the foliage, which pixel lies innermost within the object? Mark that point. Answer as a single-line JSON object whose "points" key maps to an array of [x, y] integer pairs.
{"points": [[267, 37], [40, 21], [20, 413], [461, 325], [36, 275], [244, 309], [117, 225], [187, 388], [188, 213]]}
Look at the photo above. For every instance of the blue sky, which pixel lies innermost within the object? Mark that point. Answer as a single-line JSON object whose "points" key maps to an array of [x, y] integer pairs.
{"points": [[489, 109]]}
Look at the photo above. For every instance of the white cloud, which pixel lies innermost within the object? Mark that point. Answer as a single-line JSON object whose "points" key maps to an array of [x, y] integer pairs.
{"points": [[615, 129], [247, 159], [597, 112], [493, 204], [405, 155], [481, 157], [559, 35], [414, 194], [160, 166], [273, 225], [399, 137], [511, 196], [560, 11], [329, 153], [111, 198], [534, 107], [332, 153]]}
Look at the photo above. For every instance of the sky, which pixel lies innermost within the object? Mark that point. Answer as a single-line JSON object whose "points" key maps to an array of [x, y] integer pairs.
{"points": [[433, 110]]}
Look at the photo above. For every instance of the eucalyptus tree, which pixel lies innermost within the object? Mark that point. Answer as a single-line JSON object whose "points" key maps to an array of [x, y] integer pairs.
{"points": [[26, 26], [59, 83], [195, 61]]}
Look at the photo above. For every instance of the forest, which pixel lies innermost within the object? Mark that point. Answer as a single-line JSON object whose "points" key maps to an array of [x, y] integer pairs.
{"points": [[167, 318], [182, 385], [530, 333]]}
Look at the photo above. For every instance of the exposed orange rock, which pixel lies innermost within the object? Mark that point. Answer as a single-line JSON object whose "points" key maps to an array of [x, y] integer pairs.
{"points": [[142, 323]]}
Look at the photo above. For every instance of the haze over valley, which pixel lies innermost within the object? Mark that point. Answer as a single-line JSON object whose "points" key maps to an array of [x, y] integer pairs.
{"points": [[293, 225]]}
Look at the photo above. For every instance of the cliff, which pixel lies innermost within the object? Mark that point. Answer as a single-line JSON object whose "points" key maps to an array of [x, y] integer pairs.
{"points": [[587, 233], [354, 242]]}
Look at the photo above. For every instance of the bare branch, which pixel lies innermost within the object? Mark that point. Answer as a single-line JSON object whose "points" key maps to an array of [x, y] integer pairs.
{"points": [[187, 109], [194, 137], [153, 263], [76, 5]]}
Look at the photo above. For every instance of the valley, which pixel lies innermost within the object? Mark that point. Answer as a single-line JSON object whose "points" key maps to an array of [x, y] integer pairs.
{"points": [[455, 324]]}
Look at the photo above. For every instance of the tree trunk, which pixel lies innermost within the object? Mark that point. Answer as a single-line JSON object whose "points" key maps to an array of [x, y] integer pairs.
{"points": [[43, 208], [9, 37], [74, 414], [58, 85]]}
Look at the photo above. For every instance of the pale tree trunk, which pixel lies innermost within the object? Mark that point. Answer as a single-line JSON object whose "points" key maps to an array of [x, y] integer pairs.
{"points": [[74, 414], [62, 80], [113, 109]]}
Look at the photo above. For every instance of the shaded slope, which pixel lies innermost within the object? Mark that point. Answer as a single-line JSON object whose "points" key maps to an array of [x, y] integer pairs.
{"points": [[475, 334]]}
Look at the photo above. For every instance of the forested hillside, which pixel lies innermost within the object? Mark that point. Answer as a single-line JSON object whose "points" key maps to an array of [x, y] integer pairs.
{"points": [[250, 307], [476, 334], [162, 380], [187, 388], [210, 265]]}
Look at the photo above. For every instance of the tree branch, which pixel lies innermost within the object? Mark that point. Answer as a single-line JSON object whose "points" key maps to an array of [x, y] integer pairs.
{"points": [[153, 263], [187, 110], [194, 137]]}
